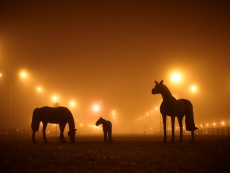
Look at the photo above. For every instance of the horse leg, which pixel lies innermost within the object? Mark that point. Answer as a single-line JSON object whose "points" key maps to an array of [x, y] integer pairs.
{"points": [[62, 138], [164, 127], [44, 132], [110, 135], [33, 137], [105, 135], [173, 123], [181, 130], [192, 132]]}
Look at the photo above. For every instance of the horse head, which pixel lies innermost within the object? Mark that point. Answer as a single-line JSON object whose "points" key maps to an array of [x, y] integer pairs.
{"points": [[158, 87], [99, 121], [71, 135]]}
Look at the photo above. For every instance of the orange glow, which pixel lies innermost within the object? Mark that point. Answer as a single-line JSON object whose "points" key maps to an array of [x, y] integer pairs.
{"points": [[193, 88], [39, 89], [72, 103], [96, 108], [176, 77], [23, 74]]}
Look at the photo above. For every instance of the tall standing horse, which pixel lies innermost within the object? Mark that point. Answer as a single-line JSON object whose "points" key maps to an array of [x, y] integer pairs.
{"points": [[56, 115], [175, 108], [107, 128]]}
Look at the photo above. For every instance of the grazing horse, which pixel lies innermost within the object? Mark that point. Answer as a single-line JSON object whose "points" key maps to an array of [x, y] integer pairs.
{"points": [[175, 108], [56, 115], [107, 128]]}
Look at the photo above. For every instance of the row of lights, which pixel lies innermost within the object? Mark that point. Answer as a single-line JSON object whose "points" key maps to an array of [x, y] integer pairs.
{"points": [[213, 124], [24, 75]]}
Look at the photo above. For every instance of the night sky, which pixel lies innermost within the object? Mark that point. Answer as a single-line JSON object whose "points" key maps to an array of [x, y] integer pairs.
{"points": [[110, 53]]}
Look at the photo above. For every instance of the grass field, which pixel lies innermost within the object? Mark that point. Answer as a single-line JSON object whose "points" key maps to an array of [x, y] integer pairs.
{"points": [[128, 153]]}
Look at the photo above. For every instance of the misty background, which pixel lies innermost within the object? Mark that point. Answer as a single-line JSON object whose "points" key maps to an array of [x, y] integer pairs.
{"points": [[110, 53]]}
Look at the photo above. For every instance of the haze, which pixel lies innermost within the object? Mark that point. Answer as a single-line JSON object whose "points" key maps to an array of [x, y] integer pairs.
{"points": [[110, 53]]}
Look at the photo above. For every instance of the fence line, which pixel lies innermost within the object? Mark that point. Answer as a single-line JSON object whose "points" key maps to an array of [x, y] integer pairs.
{"points": [[214, 131]]}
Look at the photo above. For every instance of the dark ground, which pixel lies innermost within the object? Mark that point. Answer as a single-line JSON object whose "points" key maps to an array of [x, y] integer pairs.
{"points": [[128, 153]]}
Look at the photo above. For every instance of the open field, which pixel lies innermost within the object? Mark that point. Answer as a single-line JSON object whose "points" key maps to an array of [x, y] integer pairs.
{"points": [[128, 153]]}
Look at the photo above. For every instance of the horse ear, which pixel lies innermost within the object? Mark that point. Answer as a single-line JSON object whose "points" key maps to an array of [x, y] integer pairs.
{"points": [[156, 82], [161, 82]]}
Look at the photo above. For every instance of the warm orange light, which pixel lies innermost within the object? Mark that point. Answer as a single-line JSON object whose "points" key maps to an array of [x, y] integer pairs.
{"points": [[96, 108], [176, 77], [72, 103], [23, 74], [193, 88], [39, 89], [55, 98]]}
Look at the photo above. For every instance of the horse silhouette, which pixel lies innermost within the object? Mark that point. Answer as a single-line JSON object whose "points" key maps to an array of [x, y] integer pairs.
{"points": [[107, 128], [55, 115], [175, 108]]}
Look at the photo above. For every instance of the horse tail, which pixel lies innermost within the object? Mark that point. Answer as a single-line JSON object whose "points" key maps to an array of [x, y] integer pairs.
{"points": [[35, 120], [189, 117]]}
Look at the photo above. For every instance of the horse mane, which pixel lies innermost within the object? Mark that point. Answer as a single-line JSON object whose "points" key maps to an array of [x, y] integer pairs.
{"points": [[70, 119], [71, 123], [166, 93]]}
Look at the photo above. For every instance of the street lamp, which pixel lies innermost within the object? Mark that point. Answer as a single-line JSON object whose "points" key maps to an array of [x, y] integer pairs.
{"points": [[176, 77], [23, 75], [193, 88], [55, 101], [72, 103], [39, 89], [96, 107], [113, 114]]}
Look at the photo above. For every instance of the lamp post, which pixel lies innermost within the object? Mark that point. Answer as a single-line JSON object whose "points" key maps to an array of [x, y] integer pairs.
{"points": [[55, 101], [96, 108], [23, 75]]}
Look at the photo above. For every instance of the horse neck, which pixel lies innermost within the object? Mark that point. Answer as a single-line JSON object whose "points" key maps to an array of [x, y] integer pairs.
{"points": [[71, 124], [166, 94]]}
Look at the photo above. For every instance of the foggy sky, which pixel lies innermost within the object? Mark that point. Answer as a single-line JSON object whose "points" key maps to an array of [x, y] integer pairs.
{"points": [[113, 51]]}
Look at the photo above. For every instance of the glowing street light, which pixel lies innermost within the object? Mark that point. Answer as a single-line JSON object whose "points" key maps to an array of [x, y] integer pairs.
{"points": [[39, 89], [72, 103], [54, 98], [55, 101], [193, 88], [96, 107], [176, 77], [113, 114], [23, 74]]}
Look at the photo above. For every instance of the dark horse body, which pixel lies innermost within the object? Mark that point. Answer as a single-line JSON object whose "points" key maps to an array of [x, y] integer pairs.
{"points": [[56, 115], [107, 128], [175, 108]]}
